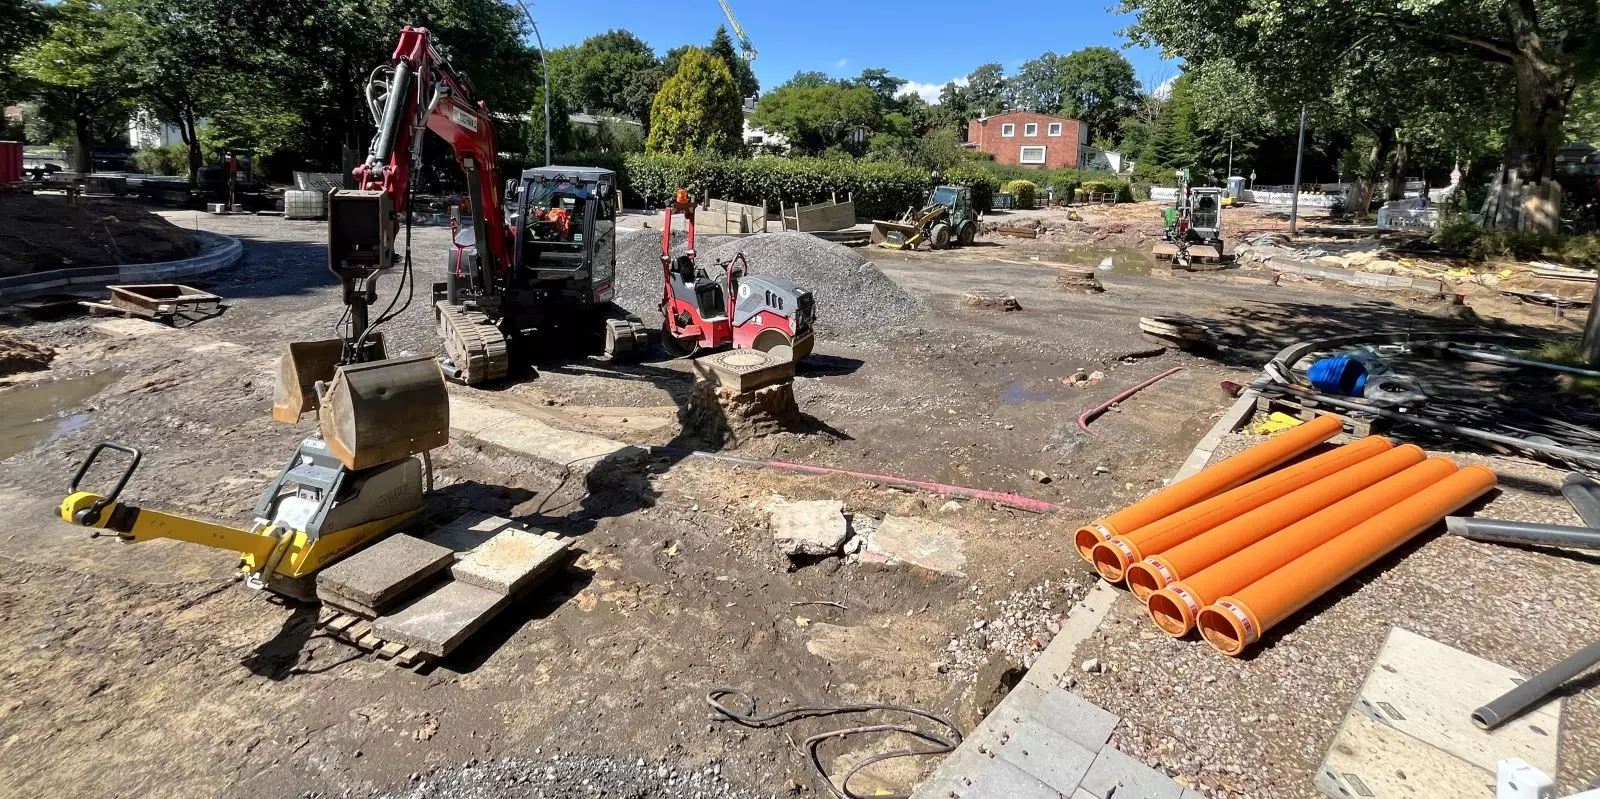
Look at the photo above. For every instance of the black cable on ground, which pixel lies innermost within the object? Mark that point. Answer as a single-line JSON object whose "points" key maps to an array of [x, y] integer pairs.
{"points": [[942, 743]]}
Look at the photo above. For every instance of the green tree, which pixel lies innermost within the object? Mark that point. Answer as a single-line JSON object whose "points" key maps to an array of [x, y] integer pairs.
{"points": [[1038, 84], [815, 118], [808, 80], [597, 73], [78, 74], [884, 87], [743, 76], [698, 109], [23, 25], [1099, 88], [560, 126], [986, 91]]}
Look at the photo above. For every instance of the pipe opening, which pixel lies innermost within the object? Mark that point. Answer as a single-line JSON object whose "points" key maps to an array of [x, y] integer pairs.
{"points": [[1109, 562], [1085, 539], [1168, 614], [1143, 581], [1480, 719], [1221, 631]]}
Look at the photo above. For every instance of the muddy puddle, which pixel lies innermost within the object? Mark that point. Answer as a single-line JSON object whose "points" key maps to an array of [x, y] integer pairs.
{"points": [[38, 414], [1116, 260]]}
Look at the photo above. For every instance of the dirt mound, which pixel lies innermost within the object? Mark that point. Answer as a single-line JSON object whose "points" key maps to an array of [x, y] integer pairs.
{"points": [[39, 233], [853, 296], [21, 355]]}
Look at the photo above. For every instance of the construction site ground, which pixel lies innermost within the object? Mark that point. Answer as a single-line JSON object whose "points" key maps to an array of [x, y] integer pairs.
{"points": [[145, 671]]}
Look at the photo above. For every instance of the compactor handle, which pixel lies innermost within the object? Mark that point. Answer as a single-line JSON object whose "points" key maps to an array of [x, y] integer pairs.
{"points": [[91, 515]]}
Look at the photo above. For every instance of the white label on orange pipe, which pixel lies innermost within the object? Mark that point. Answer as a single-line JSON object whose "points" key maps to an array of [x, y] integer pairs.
{"points": [[1167, 578], [1099, 530], [1127, 551], [1251, 634], [1188, 599]]}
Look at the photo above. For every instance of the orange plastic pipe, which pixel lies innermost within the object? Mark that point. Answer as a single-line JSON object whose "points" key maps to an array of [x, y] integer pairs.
{"points": [[1156, 571], [1174, 608], [1236, 621], [1208, 482], [1111, 557]]}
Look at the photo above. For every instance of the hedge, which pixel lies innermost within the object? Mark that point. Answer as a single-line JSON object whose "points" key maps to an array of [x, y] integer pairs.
{"points": [[1024, 192]]}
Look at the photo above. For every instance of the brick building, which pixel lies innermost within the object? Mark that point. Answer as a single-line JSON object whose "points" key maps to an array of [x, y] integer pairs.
{"points": [[1029, 139]]}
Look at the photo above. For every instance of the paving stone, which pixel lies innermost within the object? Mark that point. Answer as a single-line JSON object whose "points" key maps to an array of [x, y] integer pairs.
{"points": [[990, 778], [440, 620], [1080, 720], [510, 560], [385, 572], [1049, 756], [918, 542], [812, 527], [468, 532], [1114, 773]]}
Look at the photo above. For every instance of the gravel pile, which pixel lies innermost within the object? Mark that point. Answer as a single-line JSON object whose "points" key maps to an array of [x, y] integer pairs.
{"points": [[563, 776], [1021, 625], [854, 297]]}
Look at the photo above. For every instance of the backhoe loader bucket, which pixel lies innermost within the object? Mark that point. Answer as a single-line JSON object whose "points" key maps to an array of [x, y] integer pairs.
{"points": [[894, 235], [381, 411], [300, 366]]}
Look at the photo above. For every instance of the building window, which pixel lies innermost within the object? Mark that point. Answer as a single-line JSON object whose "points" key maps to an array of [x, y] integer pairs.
{"points": [[1031, 155], [1008, 130], [1055, 128], [1030, 129]]}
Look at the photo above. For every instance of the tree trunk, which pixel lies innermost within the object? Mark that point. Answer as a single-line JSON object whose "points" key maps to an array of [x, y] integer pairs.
{"points": [[1365, 185], [1395, 173], [82, 144], [191, 138], [1543, 90]]}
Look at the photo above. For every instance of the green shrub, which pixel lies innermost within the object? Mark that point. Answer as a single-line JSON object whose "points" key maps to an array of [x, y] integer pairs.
{"points": [[173, 159], [882, 189], [1023, 192], [1121, 189], [978, 180], [1459, 235]]}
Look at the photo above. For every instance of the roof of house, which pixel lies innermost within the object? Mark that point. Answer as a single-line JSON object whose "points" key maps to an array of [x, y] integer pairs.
{"points": [[1013, 113]]}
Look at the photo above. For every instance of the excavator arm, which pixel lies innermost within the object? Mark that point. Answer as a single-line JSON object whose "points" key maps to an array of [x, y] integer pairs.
{"points": [[418, 89]]}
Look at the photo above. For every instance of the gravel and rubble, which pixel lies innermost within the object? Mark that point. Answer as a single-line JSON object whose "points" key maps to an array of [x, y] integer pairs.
{"points": [[570, 776], [1020, 624], [853, 296]]}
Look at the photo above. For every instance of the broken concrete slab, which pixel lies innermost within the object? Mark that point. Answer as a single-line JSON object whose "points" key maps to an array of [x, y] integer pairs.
{"points": [[808, 527], [380, 575], [918, 542], [511, 560], [440, 620], [469, 531], [1115, 774]]}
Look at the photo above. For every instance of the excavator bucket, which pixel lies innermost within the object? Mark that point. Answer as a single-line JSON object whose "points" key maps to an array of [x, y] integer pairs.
{"points": [[895, 235], [381, 411], [301, 365]]}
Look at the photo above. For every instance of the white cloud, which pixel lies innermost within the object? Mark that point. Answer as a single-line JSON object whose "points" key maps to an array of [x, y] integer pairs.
{"points": [[841, 63], [1164, 90], [928, 91]]}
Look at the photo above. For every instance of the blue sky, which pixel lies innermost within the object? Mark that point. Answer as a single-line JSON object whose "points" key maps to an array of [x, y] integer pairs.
{"points": [[929, 42]]}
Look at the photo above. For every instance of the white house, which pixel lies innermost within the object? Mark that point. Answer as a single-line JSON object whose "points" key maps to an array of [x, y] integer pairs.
{"points": [[145, 131]]}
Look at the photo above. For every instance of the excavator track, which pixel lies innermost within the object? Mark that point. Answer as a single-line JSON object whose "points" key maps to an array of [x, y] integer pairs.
{"points": [[472, 344]]}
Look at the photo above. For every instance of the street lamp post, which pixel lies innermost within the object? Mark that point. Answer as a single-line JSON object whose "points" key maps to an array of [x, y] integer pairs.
{"points": [[544, 61]]}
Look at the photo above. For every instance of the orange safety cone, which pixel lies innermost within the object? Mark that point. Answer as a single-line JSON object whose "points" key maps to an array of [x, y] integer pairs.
{"points": [[1234, 622], [1112, 557], [1157, 570], [1174, 608], [1208, 482]]}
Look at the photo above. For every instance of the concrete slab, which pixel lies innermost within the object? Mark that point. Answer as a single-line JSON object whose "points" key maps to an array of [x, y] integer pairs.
{"points": [[1114, 773], [743, 371], [918, 542], [440, 620], [995, 779], [385, 572], [510, 560], [1047, 755], [468, 532], [809, 527], [1369, 759], [542, 442], [1085, 723]]}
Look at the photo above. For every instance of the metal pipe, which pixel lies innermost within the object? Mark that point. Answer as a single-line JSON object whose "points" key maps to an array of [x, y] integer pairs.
{"points": [[544, 61], [1089, 415], [1532, 533], [1526, 695], [1299, 155], [1565, 453], [1495, 357], [1584, 495]]}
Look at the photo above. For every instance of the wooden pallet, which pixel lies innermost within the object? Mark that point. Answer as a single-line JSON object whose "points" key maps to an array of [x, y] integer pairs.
{"points": [[1309, 409], [357, 631]]}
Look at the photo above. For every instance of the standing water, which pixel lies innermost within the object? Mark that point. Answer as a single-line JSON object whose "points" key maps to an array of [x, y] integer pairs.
{"points": [[41, 413], [1117, 261]]}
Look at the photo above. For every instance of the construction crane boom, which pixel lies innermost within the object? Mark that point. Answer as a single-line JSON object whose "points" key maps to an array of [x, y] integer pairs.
{"points": [[746, 48]]}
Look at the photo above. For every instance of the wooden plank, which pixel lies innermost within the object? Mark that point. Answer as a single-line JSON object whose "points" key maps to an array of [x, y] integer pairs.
{"points": [[390, 650], [409, 656], [369, 642], [357, 631], [342, 622]]}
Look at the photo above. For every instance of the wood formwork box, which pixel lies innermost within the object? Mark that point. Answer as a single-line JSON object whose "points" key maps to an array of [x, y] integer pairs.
{"points": [[724, 216], [832, 215]]}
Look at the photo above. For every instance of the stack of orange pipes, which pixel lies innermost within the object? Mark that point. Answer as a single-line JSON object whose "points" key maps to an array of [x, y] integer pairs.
{"points": [[1239, 559]]}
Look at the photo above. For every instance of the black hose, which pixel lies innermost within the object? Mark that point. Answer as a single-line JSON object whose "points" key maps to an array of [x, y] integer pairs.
{"points": [[942, 743], [1530, 693], [1581, 491], [1542, 535]]}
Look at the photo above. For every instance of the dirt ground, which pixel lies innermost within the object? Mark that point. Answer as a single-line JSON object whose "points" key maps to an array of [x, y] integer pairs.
{"points": [[143, 670], [44, 232]]}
